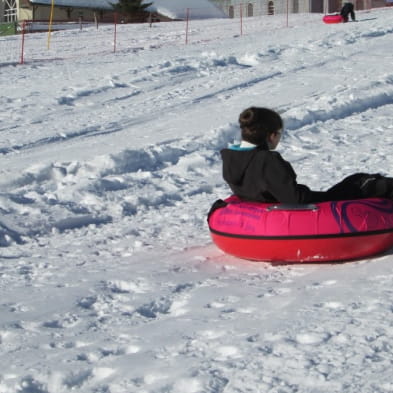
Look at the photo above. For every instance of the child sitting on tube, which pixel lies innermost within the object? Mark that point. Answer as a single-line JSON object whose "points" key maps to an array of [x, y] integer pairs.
{"points": [[255, 172]]}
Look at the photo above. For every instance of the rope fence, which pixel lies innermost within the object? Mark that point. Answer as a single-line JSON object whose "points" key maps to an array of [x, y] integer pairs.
{"points": [[77, 39]]}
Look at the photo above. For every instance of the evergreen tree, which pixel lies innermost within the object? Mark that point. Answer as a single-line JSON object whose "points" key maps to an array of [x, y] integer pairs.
{"points": [[130, 7]]}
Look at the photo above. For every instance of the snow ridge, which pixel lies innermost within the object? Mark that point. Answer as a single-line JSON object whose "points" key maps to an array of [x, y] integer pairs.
{"points": [[70, 195]]}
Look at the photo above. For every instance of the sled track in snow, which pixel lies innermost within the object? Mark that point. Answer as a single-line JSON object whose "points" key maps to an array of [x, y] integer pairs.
{"points": [[186, 73], [357, 105]]}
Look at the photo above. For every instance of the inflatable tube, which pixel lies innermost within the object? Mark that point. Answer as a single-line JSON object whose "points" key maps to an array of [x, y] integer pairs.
{"points": [[335, 18], [321, 232]]}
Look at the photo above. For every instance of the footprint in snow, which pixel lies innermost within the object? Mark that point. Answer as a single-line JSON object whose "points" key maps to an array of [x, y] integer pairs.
{"points": [[119, 350], [319, 285], [275, 292], [163, 306], [312, 338], [18, 308], [211, 334], [62, 322], [333, 305], [30, 385], [227, 352], [121, 286], [75, 380]]}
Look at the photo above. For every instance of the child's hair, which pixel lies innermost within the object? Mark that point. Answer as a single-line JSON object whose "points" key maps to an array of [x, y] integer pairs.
{"points": [[257, 124]]}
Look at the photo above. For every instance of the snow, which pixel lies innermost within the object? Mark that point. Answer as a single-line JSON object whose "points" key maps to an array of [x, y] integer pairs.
{"points": [[177, 9], [109, 282]]}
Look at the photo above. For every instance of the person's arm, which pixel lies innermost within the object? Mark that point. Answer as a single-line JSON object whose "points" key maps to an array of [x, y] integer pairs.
{"points": [[281, 182]]}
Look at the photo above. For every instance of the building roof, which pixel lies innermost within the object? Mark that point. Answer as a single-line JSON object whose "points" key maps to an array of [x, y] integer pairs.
{"points": [[177, 9], [95, 4], [174, 9]]}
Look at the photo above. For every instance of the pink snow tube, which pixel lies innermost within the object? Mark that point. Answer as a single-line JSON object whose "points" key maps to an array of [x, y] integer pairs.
{"points": [[333, 18], [327, 231]]}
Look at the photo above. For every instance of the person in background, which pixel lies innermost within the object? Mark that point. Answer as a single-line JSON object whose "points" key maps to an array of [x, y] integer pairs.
{"points": [[346, 10], [255, 172]]}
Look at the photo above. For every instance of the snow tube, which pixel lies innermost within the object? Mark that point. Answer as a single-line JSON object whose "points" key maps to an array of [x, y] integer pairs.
{"points": [[333, 18], [321, 232]]}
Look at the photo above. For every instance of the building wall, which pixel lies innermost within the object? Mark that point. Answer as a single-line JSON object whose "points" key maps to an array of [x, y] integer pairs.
{"points": [[28, 11], [25, 10], [262, 7], [42, 12], [316, 6], [8, 10], [2, 10]]}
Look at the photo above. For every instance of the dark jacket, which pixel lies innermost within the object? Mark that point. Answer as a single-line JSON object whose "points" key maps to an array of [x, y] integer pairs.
{"points": [[262, 175], [346, 10]]}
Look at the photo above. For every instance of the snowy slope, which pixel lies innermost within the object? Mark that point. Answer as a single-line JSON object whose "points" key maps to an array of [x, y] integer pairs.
{"points": [[108, 279]]}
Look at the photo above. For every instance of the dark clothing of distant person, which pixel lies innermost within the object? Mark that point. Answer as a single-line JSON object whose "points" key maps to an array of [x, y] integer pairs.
{"points": [[347, 10]]}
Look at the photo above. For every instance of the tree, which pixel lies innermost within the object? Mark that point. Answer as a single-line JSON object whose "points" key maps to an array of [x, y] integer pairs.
{"points": [[130, 7]]}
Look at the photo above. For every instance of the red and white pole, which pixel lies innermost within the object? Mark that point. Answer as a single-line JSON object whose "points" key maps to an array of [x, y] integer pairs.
{"points": [[187, 23], [287, 13], [241, 19], [115, 32]]}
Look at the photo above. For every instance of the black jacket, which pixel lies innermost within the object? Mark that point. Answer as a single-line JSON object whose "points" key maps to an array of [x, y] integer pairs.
{"points": [[262, 175], [346, 10]]}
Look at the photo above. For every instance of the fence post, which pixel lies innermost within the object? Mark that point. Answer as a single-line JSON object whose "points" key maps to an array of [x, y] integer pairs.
{"points": [[287, 13], [115, 32], [241, 18], [187, 21], [50, 22], [22, 58], [326, 6]]}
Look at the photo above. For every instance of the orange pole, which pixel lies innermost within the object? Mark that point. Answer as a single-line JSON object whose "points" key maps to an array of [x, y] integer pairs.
{"points": [[50, 22], [22, 58]]}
